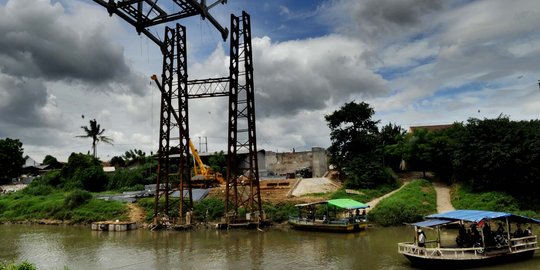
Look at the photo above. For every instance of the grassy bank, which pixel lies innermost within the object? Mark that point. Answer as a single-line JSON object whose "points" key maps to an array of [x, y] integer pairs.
{"points": [[410, 204], [16, 266], [42, 202], [463, 198]]}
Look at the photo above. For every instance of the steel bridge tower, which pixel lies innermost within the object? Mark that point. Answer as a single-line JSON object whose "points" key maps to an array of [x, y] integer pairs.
{"points": [[243, 189], [173, 155]]}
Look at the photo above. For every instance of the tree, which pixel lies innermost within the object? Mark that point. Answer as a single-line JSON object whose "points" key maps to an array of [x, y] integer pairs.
{"points": [[133, 156], [50, 160], [356, 146], [11, 158], [95, 132], [390, 136], [117, 161]]}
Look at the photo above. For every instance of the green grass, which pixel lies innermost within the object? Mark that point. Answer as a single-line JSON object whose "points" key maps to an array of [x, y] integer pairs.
{"points": [[464, 198], [21, 206], [410, 204], [366, 194], [15, 266]]}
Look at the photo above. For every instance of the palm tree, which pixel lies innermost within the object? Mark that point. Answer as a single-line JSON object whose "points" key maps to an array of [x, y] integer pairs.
{"points": [[96, 133]]}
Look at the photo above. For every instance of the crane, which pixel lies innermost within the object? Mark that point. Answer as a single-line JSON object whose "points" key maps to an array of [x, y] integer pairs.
{"points": [[204, 175]]}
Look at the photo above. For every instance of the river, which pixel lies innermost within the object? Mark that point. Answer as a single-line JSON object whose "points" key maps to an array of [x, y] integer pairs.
{"points": [[56, 247]]}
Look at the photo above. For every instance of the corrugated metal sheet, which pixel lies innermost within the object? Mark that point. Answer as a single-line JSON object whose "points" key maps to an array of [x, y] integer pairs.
{"points": [[477, 215]]}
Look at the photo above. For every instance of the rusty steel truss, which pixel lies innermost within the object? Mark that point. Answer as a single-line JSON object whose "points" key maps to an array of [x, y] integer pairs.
{"points": [[242, 189]]}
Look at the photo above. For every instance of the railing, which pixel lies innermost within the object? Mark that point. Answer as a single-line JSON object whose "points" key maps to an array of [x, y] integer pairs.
{"points": [[303, 220], [522, 244], [457, 253]]}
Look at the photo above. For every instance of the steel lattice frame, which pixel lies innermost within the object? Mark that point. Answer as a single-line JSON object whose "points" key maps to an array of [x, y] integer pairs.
{"points": [[242, 179], [174, 101], [243, 189]]}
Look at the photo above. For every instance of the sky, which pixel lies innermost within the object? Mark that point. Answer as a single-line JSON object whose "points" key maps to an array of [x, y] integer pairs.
{"points": [[416, 62]]}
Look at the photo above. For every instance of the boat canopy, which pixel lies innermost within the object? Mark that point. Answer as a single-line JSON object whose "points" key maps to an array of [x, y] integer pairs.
{"points": [[431, 223], [308, 204], [478, 215], [341, 203], [347, 204]]}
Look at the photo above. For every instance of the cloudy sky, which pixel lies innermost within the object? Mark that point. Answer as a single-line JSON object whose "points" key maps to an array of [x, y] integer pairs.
{"points": [[416, 62]]}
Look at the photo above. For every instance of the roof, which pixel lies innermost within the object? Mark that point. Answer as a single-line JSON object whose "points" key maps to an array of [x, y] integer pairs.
{"points": [[347, 204], [431, 223], [478, 215], [341, 203]]}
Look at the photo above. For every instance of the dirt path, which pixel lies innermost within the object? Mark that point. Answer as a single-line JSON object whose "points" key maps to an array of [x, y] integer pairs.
{"points": [[443, 197], [136, 213], [375, 201]]}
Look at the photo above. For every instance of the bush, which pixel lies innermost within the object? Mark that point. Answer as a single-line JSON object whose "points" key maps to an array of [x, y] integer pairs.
{"points": [[464, 197], [214, 206], [77, 198], [14, 266], [408, 205], [279, 212]]}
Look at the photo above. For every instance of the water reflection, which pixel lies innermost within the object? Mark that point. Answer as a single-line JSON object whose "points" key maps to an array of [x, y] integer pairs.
{"points": [[53, 247]]}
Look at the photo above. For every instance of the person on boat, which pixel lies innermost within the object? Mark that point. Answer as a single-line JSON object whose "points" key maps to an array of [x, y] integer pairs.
{"points": [[519, 232], [488, 237], [528, 232], [421, 238]]}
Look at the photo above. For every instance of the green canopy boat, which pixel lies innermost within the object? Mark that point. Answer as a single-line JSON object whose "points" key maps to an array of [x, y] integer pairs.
{"points": [[337, 215]]}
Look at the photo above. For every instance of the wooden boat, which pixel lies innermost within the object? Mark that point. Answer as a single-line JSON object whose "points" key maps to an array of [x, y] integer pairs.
{"points": [[473, 247], [338, 215]]}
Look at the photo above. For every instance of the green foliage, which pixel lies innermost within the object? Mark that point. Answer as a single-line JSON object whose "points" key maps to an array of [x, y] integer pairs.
{"points": [[14, 266], [218, 163], [410, 204], [50, 160], [73, 207], [95, 132], [465, 198], [11, 159], [499, 154], [366, 194], [123, 178], [76, 198], [358, 147], [38, 188], [214, 206], [391, 135], [91, 178], [279, 212]]}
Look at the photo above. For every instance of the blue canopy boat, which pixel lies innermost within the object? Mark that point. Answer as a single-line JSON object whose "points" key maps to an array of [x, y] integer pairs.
{"points": [[338, 215], [475, 243]]}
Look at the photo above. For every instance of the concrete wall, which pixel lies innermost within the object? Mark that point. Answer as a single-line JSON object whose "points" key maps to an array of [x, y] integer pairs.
{"points": [[283, 163]]}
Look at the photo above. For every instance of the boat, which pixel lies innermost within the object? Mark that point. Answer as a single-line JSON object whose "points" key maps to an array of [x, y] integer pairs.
{"points": [[337, 215], [469, 240]]}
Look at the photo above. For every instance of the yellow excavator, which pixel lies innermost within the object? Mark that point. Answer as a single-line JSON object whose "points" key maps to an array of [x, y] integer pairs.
{"points": [[204, 176]]}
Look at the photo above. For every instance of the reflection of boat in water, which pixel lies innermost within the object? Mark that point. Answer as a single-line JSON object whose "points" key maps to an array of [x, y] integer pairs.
{"points": [[475, 243], [338, 215]]}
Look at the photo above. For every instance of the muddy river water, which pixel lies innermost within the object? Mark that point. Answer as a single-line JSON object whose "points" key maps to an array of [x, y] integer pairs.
{"points": [[56, 247]]}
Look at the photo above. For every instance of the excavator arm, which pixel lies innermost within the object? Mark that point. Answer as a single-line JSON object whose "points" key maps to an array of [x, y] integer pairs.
{"points": [[198, 166]]}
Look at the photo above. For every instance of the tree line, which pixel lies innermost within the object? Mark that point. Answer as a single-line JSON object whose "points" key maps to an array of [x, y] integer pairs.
{"points": [[486, 155]]}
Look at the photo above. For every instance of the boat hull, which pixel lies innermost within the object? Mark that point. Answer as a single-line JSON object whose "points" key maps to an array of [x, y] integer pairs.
{"points": [[321, 227], [450, 263]]}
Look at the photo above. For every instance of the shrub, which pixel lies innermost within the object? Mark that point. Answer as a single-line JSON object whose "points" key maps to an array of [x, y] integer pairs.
{"points": [[214, 206], [77, 198], [408, 205]]}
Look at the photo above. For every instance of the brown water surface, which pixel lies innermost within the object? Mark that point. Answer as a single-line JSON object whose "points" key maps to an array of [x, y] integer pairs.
{"points": [[53, 247]]}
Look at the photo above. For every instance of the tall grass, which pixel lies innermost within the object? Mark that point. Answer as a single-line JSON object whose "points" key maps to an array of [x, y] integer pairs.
{"points": [[71, 207], [464, 198], [408, 205]]}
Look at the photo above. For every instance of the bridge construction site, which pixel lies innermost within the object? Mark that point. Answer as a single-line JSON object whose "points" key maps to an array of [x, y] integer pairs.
{"points": [[242, 188]]}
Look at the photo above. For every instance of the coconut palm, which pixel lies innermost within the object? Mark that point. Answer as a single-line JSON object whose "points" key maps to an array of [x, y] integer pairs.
{"points": [[96, 133]]}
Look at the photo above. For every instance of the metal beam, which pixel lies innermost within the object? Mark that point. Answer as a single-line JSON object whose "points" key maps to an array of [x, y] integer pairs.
{"points": [[143, 14]]}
